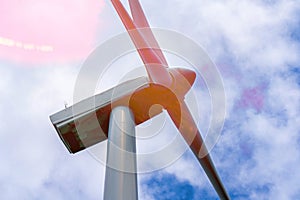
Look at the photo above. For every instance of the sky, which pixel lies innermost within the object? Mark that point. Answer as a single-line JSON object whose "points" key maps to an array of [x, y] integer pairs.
{"points": [[255, 46]]}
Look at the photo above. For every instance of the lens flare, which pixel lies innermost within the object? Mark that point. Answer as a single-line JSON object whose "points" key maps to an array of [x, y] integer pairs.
{"points": [[48, 30], [26, 46]]}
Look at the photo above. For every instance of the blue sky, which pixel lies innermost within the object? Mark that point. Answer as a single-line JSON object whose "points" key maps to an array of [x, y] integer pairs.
{"points": [[255, 45]]}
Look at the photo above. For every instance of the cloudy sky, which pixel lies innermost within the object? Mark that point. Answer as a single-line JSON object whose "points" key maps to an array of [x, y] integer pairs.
{"points": [[255, 45]]}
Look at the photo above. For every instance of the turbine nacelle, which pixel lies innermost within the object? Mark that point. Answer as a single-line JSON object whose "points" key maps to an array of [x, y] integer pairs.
{"points": [[86, 123]]}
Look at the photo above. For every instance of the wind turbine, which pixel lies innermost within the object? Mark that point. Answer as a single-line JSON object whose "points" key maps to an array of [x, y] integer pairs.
{"points": [[165, 86]]}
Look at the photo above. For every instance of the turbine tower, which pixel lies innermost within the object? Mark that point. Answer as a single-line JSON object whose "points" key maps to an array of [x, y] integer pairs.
{"points": [[164, 86]]}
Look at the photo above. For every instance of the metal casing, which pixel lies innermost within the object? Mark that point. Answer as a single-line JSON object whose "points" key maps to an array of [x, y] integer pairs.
{"points": [[86, 122]]}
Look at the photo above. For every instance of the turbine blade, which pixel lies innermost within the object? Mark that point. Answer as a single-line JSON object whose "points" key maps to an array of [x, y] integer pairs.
{"points": [[154, 66], [141, 22], [188, 128]]}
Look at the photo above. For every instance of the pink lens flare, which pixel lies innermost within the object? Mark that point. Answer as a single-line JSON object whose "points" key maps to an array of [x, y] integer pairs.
{"points": [[42, 30], [253, 98]]}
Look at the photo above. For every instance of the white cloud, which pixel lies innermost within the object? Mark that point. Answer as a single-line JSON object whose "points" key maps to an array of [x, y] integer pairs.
{"points": [[261, 149], [34, 161], [254, 33]]}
